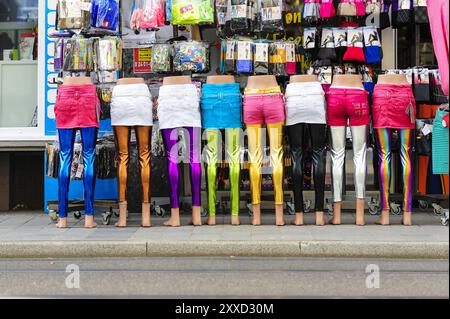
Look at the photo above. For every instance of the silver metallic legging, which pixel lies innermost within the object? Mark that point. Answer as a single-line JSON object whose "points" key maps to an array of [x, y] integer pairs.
{"points": [[338, 138]]}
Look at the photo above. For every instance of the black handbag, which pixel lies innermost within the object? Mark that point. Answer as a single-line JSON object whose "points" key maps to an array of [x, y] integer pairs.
{"points": [[423, 145], [422, 85]]}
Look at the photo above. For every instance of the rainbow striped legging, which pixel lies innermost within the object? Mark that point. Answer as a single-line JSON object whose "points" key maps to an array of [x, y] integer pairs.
{"points": [[384, 141]]}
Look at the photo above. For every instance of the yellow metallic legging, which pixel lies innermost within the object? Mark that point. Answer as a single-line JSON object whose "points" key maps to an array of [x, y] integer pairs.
{"points": [[233, 148], [255, 150], [143, 137]]}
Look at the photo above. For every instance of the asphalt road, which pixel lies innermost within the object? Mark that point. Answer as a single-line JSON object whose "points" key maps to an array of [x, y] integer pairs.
{"points": [[224, 277]]}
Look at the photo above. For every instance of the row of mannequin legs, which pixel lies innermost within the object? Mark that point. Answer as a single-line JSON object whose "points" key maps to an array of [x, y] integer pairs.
{"points": [[298, 135]]}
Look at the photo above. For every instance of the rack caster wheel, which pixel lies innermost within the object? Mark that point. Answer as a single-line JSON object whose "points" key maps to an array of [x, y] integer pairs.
{"points": [[203, 212], [330, 209], [53, 216], [250, 210], [438, 210], [374, 209], [444, 220], [77, 215], [290, 208], [106, 218], [307, 206], [396, 209], [423, 205], [159, 211]]}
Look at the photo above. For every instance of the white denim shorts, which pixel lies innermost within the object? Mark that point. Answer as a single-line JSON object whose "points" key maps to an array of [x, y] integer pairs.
{"points": [[305, 103], [179, 106], [131, 105]]}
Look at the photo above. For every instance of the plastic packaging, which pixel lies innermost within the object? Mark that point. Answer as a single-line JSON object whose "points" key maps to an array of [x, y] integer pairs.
{"points": [[230, 56], [192, 12], [153, 14], [73, 14], [271, 15], [223, 13], [261, 58], [58, 57], [107, 14], [79, 55], [109, 53], [277, 59], [242, 15], [244, 63], [161, 58], [191, 56]]}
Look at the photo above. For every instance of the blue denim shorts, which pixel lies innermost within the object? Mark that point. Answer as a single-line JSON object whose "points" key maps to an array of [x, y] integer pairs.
{"points": [[221, 106]]}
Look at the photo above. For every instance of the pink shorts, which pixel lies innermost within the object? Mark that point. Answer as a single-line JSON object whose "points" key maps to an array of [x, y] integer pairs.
{"points": [[263, 108], [393, 107], [327, 9], [77, 106], [348, 105]]}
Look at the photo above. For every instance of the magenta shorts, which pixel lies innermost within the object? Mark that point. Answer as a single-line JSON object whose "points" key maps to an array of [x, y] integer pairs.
{"points": [[264, 108], [327, 9], [393, 106], [77, 106], [348, 105]]}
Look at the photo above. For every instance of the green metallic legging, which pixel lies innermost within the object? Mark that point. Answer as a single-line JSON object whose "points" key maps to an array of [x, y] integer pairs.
{"points": [[233, 147]]}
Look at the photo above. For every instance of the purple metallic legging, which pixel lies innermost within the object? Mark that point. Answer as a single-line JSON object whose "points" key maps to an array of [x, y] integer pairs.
{"points": [[193, 141]]}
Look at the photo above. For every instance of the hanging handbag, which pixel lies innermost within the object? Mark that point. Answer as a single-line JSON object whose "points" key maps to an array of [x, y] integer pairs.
{"points": [[421, 78]]}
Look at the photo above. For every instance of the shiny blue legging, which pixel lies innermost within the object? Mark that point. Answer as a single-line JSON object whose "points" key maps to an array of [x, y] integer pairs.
{"points": [[67, 142]]}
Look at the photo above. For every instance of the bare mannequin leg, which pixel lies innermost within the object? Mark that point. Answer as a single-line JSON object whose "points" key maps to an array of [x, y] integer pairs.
{"points": [[384, 219], [62, 223], [89, 222], [256, 215], [337, 208], [279, 215], [196, 216], [320, 219], [146, 220], [360, 206], [299, 220], [211, 221], [407, 219], [174, 220], [122, 215], [235, 221]]}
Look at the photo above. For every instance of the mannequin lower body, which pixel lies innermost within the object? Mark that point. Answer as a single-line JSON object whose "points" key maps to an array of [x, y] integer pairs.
{"points": [[233, 152], [144, 138], [384, 139], [170, 137], [255, 149], [338, 141], [297, 139], [67, 142]]}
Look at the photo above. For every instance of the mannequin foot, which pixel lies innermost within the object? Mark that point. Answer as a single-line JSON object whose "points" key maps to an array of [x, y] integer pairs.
{"points": [[384, 219], [211, 221], [235, 221], [336, 220], [320, 219], [62, 223], [279, 215], [256, 221], [146, 220], [407, 219], [360, 205], [174, 220], [89, 222], [122, 223], [196, 216], [299, 220]]}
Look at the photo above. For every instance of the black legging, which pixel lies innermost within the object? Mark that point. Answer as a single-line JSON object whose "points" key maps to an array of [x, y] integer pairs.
{"points": [[298, 138]]}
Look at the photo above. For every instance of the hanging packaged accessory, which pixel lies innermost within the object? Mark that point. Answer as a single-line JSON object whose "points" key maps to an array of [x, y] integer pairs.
{"points": [[291, 62], [58, 60], [355, 43], [261, 58], [223, 15], [192, 12], [385, 19], [191, 56], [327, 53], [372, 49], [78, 55], [421, 12], [421, 80], [242, 15], [107, 14], [161, 58], [244, 63], [311, 11], [230, 56], [340, 43], [373, 7], [277, 59], [73, 14], [437, 93], [271, 19], [402, 13], [153, 14]]}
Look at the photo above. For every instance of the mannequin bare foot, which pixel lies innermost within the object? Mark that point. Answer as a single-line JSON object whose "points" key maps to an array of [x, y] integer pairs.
{"points": [[336, 220], [320, 219], [174, 220], [384, 219], [122, 223], [146, 221], [256, 215], [299, 220], [62, 223], [360, 205], [235, 221], [211, 221], [89, 222], [279, 215], [196, 216], [407, 219]]}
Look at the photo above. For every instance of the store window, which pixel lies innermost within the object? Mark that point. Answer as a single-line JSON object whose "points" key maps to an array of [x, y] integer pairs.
{"points": [[18, 63], [415, 47]]}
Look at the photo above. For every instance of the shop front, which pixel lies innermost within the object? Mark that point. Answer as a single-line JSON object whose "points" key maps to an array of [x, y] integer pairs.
{"points": [[43, 43]]}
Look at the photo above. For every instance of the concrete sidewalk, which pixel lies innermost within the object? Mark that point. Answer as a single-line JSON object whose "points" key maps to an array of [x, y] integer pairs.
{"points": [[33, 235]]}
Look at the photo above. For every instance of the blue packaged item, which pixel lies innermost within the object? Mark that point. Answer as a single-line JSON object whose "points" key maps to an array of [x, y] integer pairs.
{"points": [[94, 12], [169, 10], [244, 63], [107, 14], [221, 106]]}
